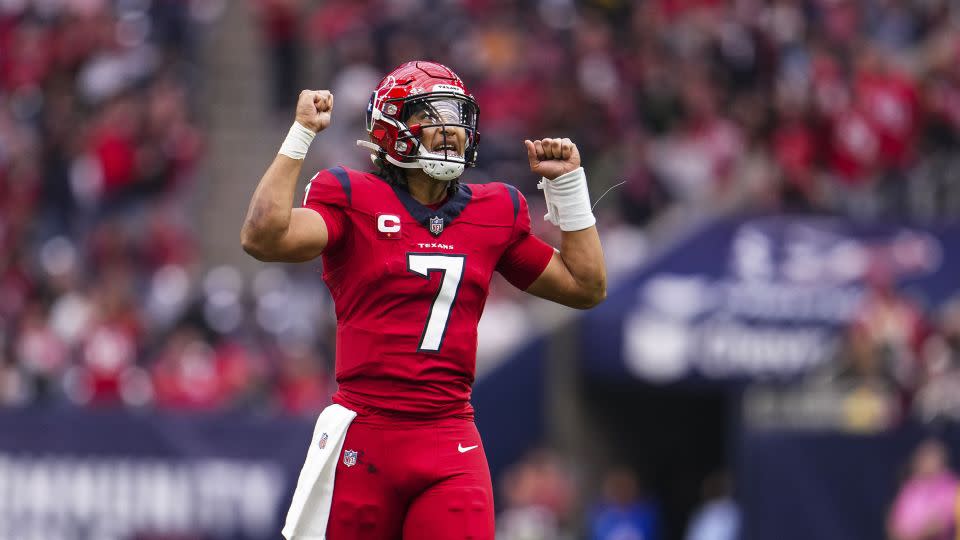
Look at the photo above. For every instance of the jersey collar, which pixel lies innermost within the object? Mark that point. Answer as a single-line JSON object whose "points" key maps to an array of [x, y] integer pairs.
{"points": [[437, 220]]}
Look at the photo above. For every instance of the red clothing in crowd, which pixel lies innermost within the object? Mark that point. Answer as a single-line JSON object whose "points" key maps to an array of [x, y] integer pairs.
{"points": [[890, 105]]}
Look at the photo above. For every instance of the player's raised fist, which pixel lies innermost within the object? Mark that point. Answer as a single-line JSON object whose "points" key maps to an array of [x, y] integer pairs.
{"points": [[314, 108], [551, 158]]}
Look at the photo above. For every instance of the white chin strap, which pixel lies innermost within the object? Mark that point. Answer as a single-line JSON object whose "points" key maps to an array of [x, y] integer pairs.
{"points": [[440, 167]]}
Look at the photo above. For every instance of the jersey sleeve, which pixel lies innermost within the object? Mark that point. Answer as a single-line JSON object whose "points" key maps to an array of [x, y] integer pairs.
{"points": [[527, 256], [327, 194]]}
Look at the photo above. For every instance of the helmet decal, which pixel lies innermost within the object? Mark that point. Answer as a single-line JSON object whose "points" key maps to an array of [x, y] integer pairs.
{"points": [[383, 91]]}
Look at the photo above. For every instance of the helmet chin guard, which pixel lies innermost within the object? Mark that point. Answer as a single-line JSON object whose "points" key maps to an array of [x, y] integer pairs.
{"points": [[436, 165], [440, 167]]}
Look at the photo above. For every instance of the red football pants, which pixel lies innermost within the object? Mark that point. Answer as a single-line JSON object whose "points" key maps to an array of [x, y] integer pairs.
{"points": [[412, 480]]}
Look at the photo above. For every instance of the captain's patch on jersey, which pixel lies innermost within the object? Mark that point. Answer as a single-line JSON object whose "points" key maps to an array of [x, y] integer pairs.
{"points": [[388, 226]]}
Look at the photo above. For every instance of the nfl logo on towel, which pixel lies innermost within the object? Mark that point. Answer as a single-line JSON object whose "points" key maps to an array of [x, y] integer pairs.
{"points": [[323, 441], [349, 458], [436, 225]]}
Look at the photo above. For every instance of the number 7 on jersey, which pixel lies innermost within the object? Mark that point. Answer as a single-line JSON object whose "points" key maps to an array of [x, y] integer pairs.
{"points": [[451, 268]]}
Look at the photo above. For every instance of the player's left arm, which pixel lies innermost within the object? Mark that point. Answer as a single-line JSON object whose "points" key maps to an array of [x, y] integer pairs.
{"points": [[576, 275]]}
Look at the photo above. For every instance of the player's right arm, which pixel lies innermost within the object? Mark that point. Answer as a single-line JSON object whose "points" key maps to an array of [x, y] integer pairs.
{"points": [[273, 230]]}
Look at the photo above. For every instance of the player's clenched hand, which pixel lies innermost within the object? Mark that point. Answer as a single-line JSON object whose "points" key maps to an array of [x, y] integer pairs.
{"points": [[551, 158], [314, 108]]}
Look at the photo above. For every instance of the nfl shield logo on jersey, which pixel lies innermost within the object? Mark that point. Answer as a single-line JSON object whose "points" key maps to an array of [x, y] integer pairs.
{"points": [[323, 441], [349, 458], [436, 225]]}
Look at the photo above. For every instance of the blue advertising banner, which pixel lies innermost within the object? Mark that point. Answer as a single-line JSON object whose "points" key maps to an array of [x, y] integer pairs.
{"points": [[760, 298], [510, 406], [74, 474]]}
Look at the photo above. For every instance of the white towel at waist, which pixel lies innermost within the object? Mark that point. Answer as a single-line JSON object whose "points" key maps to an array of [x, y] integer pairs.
{"points": [[310, 508]]}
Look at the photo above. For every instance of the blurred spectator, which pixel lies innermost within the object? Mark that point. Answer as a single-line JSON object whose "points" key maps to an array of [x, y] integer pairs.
{"points": [[304, 385], [859, 362], [938, 397], [795, 150], [925, 507], [625, 512], [894, 328], [539, 499], [719, 517], [40, 353], [280, 25], [696, 160], [112, 342], [186, 375]]}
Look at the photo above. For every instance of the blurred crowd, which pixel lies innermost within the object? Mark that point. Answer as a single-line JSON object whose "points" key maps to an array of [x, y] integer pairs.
{"points": [[817, 105], [898, 361], [102, 297], [541, 499]]}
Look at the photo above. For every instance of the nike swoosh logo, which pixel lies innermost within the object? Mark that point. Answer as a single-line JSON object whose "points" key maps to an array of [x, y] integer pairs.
{"points": [[463, 449]]}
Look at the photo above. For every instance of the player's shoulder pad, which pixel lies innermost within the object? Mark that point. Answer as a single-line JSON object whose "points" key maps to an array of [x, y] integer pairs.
{"points": [[502, 201], [515, 198], [344, 186], [330, 186]]}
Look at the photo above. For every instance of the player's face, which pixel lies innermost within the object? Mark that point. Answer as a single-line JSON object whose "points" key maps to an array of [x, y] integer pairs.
{"points": [[438, 135]]}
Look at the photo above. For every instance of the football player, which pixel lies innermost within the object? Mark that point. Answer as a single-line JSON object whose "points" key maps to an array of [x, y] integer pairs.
{"points": [[408, 253]]}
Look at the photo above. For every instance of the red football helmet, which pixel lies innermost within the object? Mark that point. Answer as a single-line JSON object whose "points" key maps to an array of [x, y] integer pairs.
{"points": [[435, 91]]}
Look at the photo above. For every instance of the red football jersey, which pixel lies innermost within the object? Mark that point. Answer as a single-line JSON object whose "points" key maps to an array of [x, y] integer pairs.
{"points": [[409, 283]]}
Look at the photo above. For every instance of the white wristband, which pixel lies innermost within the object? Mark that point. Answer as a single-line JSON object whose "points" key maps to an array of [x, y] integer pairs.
{"points": [[298, 141], [568, 201]]}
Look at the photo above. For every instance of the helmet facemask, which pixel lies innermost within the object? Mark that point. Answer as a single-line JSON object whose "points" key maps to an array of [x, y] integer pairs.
{"points": [[443, 156], [446, 153]]}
